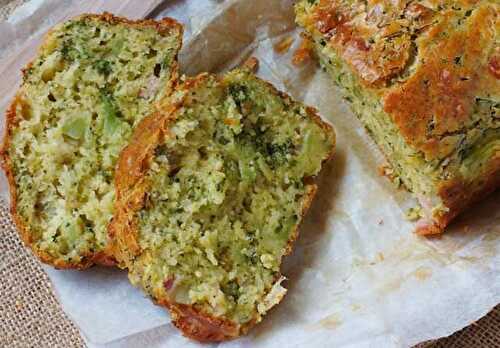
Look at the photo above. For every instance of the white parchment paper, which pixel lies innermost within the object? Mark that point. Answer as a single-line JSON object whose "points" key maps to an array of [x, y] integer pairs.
{"points": [[358, 277]]}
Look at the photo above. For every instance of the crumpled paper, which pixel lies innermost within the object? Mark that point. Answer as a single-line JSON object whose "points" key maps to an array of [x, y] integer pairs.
{"points": [[358, 276]]}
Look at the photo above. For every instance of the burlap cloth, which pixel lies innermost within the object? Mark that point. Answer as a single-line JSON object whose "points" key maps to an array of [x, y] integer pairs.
{"points": [[30, 315], [7, 6]]}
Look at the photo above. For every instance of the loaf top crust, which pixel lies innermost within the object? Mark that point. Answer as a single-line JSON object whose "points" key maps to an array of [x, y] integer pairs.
{"points": [[434, 65]]}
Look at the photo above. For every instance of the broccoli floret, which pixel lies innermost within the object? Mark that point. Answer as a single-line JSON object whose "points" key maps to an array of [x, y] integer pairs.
{"points": [[239, 94], [277, 154], [71, 52], [112, 121], [103, 67]]}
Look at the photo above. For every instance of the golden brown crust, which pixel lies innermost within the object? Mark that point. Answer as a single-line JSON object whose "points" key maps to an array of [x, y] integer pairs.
{"points": [[457, 195], [431, 95], [200, 326], [130, 187], [104, 257], [374, 62], [438, 99], [377, 41]]}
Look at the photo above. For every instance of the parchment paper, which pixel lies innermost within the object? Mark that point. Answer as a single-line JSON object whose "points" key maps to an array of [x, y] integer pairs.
{"points": [[358, 277]]}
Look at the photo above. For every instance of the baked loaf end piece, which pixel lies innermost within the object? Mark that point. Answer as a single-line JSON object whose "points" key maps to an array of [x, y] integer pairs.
{"points": [[94, 78], [423, 77], [210, 194]]}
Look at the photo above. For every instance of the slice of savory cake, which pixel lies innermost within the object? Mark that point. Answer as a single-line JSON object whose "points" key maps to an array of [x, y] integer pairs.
{"points": [[95, 77], [210, 194], [423, 78]]}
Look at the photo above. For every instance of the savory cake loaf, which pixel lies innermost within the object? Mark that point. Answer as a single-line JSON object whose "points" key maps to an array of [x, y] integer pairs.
{"points": [[423, 78], [210, 193], [94, 78]]}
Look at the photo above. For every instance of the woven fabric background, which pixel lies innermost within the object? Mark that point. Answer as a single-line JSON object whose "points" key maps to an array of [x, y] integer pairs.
{"points": [[7, 6], [30, 315]]}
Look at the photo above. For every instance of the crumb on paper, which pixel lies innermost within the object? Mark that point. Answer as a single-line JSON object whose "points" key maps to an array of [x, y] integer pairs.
{"points": [[380, 256], [355, 307], [303, 53], [387, 171], [422, 273], [414, 213], [283, 45], [251, 64]]}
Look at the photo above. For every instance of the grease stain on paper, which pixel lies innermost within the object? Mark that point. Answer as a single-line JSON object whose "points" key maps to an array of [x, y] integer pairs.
{"points": [[331, 322], [423, 273], [284, 45], [392, 285]]}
